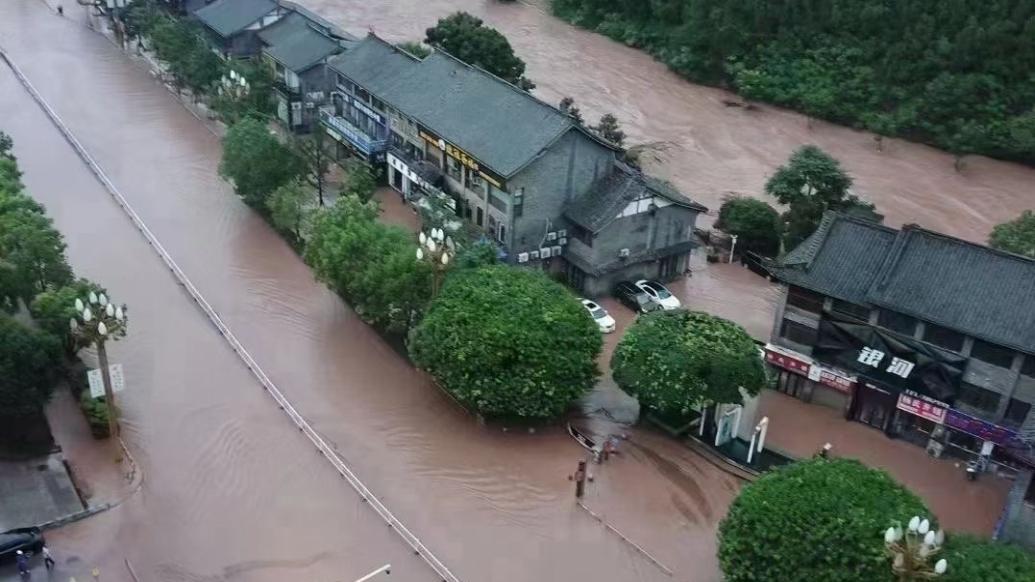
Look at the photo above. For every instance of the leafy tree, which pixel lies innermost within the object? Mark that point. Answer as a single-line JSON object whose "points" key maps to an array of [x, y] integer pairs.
{"points": [[567, 105], [316, 162], [756, 224], [359, 181], [28, 360], [814, 520], [609, 129], [675, 361], [1016, 236], [372, 265], [468, 39], [55, 307], [417, 49], [256, 161], [478, 254], [973, 559], [35, 250], [6, 146], [811, 183], [508, 342], [234, 101], [287, 207]]}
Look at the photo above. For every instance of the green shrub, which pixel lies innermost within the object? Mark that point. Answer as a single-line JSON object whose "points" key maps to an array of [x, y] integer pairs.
{"points": [[817, 520], [96, 412], [508, 342], [973, 559]]}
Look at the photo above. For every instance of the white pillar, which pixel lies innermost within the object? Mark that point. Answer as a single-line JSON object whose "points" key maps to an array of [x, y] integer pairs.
{"points": [[764, 428]]}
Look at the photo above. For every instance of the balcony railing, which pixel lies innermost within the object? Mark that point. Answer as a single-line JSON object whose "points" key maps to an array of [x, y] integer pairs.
{"points": [[357, 137]]}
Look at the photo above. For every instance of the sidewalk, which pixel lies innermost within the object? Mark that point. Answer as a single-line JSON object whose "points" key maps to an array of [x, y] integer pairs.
{"points": [[800, 429]]}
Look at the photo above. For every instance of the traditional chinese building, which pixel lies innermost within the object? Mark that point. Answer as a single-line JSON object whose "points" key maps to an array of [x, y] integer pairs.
{"points": [[916, 333]]}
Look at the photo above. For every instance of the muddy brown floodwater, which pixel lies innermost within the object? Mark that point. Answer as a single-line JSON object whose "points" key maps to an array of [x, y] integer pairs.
{"points": [[231, 490]]}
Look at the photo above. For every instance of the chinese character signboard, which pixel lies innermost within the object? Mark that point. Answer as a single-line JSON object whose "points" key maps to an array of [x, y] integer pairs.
{"points": [[981, 429], [787, 361], [802, 364], [836, 380], [921, 408]]}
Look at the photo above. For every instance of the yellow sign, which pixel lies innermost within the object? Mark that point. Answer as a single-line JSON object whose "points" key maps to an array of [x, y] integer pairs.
{"points": [[461, 156]]}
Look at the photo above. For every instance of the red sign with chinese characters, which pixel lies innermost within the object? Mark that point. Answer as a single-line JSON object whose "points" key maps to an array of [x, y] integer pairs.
{"points": [[835, 380], [921, 408], [787, 362]]}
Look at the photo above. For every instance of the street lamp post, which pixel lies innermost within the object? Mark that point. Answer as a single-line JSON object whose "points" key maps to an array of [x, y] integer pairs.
{"points": [[912, 550], [436, 248], [97, 321]]}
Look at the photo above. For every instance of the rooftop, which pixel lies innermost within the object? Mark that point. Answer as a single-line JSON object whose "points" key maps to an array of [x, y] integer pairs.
{"points": [[296, 43], [606, 200], [228, 17], [979, 291], [503, 126]]}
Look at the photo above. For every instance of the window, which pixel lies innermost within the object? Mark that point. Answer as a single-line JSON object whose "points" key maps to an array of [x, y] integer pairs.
{"points": [[798, 333], [481, 217], [378, 104], [453, 168], [992, 354], [1016, 412], [943, 337], [1028, 367], [475, 182], [362, 95], [497, 202], [805, 299], [582, 235], [979, 398], [902, 324], [501, 236], [855, 310]]}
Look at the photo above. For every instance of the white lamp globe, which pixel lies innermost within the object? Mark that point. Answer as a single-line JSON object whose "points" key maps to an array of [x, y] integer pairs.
{"points": [[102, 299], [420, 254], [79, 305], [422, 237], [87, 314], [119, 315], [101, 328], [109, 310], [929, 538], [925, 526], [445, 258], [431, 245], [889, 536], [92, 297], [941, 566], [914, 523]]}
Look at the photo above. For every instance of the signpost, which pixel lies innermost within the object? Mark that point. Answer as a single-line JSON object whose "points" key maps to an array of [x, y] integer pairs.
{"points": [[118, 381]]}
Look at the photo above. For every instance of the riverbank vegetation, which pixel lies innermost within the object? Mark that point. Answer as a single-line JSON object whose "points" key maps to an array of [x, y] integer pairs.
{"points": [[1016, 236], [467, 38], [955, 74]]}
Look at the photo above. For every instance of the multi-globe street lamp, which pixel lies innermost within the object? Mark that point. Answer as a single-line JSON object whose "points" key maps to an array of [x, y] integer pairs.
{"points": [[436, 248], [98, 320], [911, 550]]}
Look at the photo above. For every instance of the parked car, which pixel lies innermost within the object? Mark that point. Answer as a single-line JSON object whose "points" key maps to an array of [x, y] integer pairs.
{"points": [[659, 294], [26, 539], [605, 322], [631, 296]]}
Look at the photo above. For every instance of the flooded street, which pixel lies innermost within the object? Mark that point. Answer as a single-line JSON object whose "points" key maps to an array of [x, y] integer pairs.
{"points": [[710, 149], [231, 490]]}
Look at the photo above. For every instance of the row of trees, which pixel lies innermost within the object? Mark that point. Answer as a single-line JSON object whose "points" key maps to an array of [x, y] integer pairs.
{"points": [[180, 43], [34, 276], [825, 520], [956, 73]]}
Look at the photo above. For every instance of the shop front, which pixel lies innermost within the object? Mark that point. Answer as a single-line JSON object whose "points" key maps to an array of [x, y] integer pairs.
{"points": [[800, 376]]}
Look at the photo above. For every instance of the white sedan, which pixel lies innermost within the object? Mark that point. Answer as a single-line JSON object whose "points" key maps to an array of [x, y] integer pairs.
{"points": [[604, 321], [659, 294]]}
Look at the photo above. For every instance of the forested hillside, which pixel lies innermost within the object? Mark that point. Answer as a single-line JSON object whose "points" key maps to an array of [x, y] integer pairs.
{"points": [[956, 73]]}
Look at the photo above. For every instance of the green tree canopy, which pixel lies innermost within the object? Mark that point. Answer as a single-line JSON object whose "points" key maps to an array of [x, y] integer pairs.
{"points": [[182, 45], [810, 183], [674, 361], [1016, 236], [468, 39], [508, 342], [955, 73], [973, 559], [256, 161], [814, 520], [28, 360], [417, 49], [372, 265], [360, 181], [756, 224], [287, 207]]}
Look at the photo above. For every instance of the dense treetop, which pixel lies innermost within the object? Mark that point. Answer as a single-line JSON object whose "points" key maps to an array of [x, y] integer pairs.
{"points": [[957, 73]]}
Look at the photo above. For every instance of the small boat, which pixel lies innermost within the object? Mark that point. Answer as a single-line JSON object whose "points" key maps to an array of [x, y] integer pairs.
{"points": [[588, 443]]}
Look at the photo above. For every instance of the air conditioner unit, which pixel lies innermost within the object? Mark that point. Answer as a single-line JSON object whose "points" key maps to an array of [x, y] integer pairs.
{"points": [[563, 241], [534, 255], [522, 257], [562, 232], [555, 251], [623, 253], [551, 236], [544, 253]]}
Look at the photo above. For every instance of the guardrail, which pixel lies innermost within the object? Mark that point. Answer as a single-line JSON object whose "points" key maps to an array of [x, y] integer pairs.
{"points": [[362, 141], [343, 469]]}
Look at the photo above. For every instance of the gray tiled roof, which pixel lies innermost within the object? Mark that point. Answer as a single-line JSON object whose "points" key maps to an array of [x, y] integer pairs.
{"points": [[228, 17], [503, 126], [296, 44], [968, 287], [606, 199]]}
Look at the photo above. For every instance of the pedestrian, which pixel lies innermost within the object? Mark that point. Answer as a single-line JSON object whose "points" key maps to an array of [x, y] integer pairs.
{"points": [[23, 562], [61, 10], [48, 561]]}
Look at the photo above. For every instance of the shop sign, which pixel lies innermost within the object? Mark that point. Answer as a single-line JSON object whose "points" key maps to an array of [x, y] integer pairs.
{"points": [[461, 156], [787, 362], [981, 429], [401, 167], [873, 357], [922, 408], [829, 377]]}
